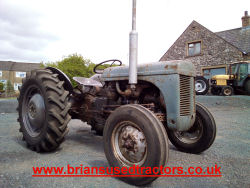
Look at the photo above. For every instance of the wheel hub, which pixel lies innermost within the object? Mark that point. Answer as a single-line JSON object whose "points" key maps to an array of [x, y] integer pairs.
{"points": [[200, 86], [227, 91], [130, 144], [36, 111], [193, 135], [32, 110]]}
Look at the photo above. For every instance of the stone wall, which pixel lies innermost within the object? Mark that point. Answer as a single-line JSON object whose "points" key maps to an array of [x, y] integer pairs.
{"points": [[214, 50]]}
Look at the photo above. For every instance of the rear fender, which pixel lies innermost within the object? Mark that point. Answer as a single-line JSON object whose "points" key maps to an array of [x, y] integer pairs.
{"points": [[63, 77]]}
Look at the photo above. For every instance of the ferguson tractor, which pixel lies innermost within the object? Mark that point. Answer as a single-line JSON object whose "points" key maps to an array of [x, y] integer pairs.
{"points": [[136, 108]]}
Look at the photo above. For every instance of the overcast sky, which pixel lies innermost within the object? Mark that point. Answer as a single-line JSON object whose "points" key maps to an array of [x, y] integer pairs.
{"points": [[47, 30]]}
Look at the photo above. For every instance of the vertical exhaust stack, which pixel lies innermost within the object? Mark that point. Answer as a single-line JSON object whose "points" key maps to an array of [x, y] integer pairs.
{"points": [[133, 49]]}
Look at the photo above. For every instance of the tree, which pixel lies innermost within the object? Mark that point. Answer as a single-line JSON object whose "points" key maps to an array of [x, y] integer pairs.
{"points": [[9, 89], [74, 65], [1, 88]]}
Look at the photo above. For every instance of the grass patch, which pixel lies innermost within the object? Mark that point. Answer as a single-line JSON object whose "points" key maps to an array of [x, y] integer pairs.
{"points": [[7, 98]]}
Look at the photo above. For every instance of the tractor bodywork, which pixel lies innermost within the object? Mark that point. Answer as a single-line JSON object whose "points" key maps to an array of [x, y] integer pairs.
{"points": [[175, 80]]}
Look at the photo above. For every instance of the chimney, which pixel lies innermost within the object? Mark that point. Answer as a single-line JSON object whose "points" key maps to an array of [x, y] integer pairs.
{"points": [[245, 20]]}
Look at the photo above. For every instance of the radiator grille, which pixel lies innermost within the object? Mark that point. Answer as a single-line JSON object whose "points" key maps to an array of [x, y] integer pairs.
{"points": [[185, 95]]}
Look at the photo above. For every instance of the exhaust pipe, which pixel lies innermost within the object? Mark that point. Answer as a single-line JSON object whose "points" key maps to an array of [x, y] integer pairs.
{"points": [[133, 49]]}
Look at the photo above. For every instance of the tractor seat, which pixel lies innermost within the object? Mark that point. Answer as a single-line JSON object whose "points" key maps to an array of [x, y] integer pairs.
{"points": [[87, 81]]}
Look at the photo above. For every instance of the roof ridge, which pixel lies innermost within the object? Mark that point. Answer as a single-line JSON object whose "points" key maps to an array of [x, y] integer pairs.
{"points": [[18, 66], [239, 37], [229, 30], [216, 33]]}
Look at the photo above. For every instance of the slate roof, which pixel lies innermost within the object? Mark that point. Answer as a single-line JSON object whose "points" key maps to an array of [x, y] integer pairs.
{"points": [[17, 66], [239, 37]]}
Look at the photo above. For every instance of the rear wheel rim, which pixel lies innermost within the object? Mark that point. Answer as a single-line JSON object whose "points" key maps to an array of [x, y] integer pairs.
{"points": [[129, 144], [193, 135], [200, 86], [33, 111]]}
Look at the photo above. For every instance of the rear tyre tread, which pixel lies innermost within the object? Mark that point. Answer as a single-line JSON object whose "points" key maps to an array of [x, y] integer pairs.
{"points": [[66, 110], [57, 108], [54, 88], [54, 113], [55, 129], [54, 100], [68, 118]]}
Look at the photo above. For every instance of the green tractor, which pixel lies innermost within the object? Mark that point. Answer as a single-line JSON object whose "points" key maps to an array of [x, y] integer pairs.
{"points": [[237, 79]]}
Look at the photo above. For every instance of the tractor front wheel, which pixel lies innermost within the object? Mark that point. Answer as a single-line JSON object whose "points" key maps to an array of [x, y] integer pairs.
{"points": [[215, 90], [227, 91], [199, 137], [133, 136]]}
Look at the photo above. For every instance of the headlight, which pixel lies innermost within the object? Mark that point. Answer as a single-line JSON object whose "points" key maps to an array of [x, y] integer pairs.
{"points": [[213, 81]]}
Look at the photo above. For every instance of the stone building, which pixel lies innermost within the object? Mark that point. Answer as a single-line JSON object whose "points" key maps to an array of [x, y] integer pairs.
{"points": [[15, 72], [209, 51]]}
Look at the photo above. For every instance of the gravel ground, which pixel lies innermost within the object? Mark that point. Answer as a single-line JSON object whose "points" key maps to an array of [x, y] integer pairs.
{"points": [[230, 150], [8, 105]]}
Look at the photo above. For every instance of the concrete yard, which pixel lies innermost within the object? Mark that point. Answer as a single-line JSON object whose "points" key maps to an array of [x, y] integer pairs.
{"points": [[231, 151]]}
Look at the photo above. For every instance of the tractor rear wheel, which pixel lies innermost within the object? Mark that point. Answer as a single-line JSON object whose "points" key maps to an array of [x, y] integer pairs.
{"points": [[133, 135], [43, 107], [201, 85], [199, 137], [247, 86]]}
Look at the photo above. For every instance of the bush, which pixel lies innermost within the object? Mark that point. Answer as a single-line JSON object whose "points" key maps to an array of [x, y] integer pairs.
{"points": [[73, 65], [1, 87]]}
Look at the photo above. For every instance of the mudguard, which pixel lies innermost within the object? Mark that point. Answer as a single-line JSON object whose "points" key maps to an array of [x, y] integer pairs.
{"points": [[63, 77]]}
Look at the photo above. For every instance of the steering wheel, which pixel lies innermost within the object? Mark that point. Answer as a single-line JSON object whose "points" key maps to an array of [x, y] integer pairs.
{"points": [[99, 71]]}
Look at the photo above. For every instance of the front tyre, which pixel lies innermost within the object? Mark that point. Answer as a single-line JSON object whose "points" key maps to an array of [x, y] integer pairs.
{"points": [[133, 135], [215, 90], [199, 137], [227, 91], [43, 110]]}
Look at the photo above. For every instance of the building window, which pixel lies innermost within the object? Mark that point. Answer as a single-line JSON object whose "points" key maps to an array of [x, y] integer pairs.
{"points": [[208, 73], [194, 48], [16, 85], [20, 74], [1, 73]]}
